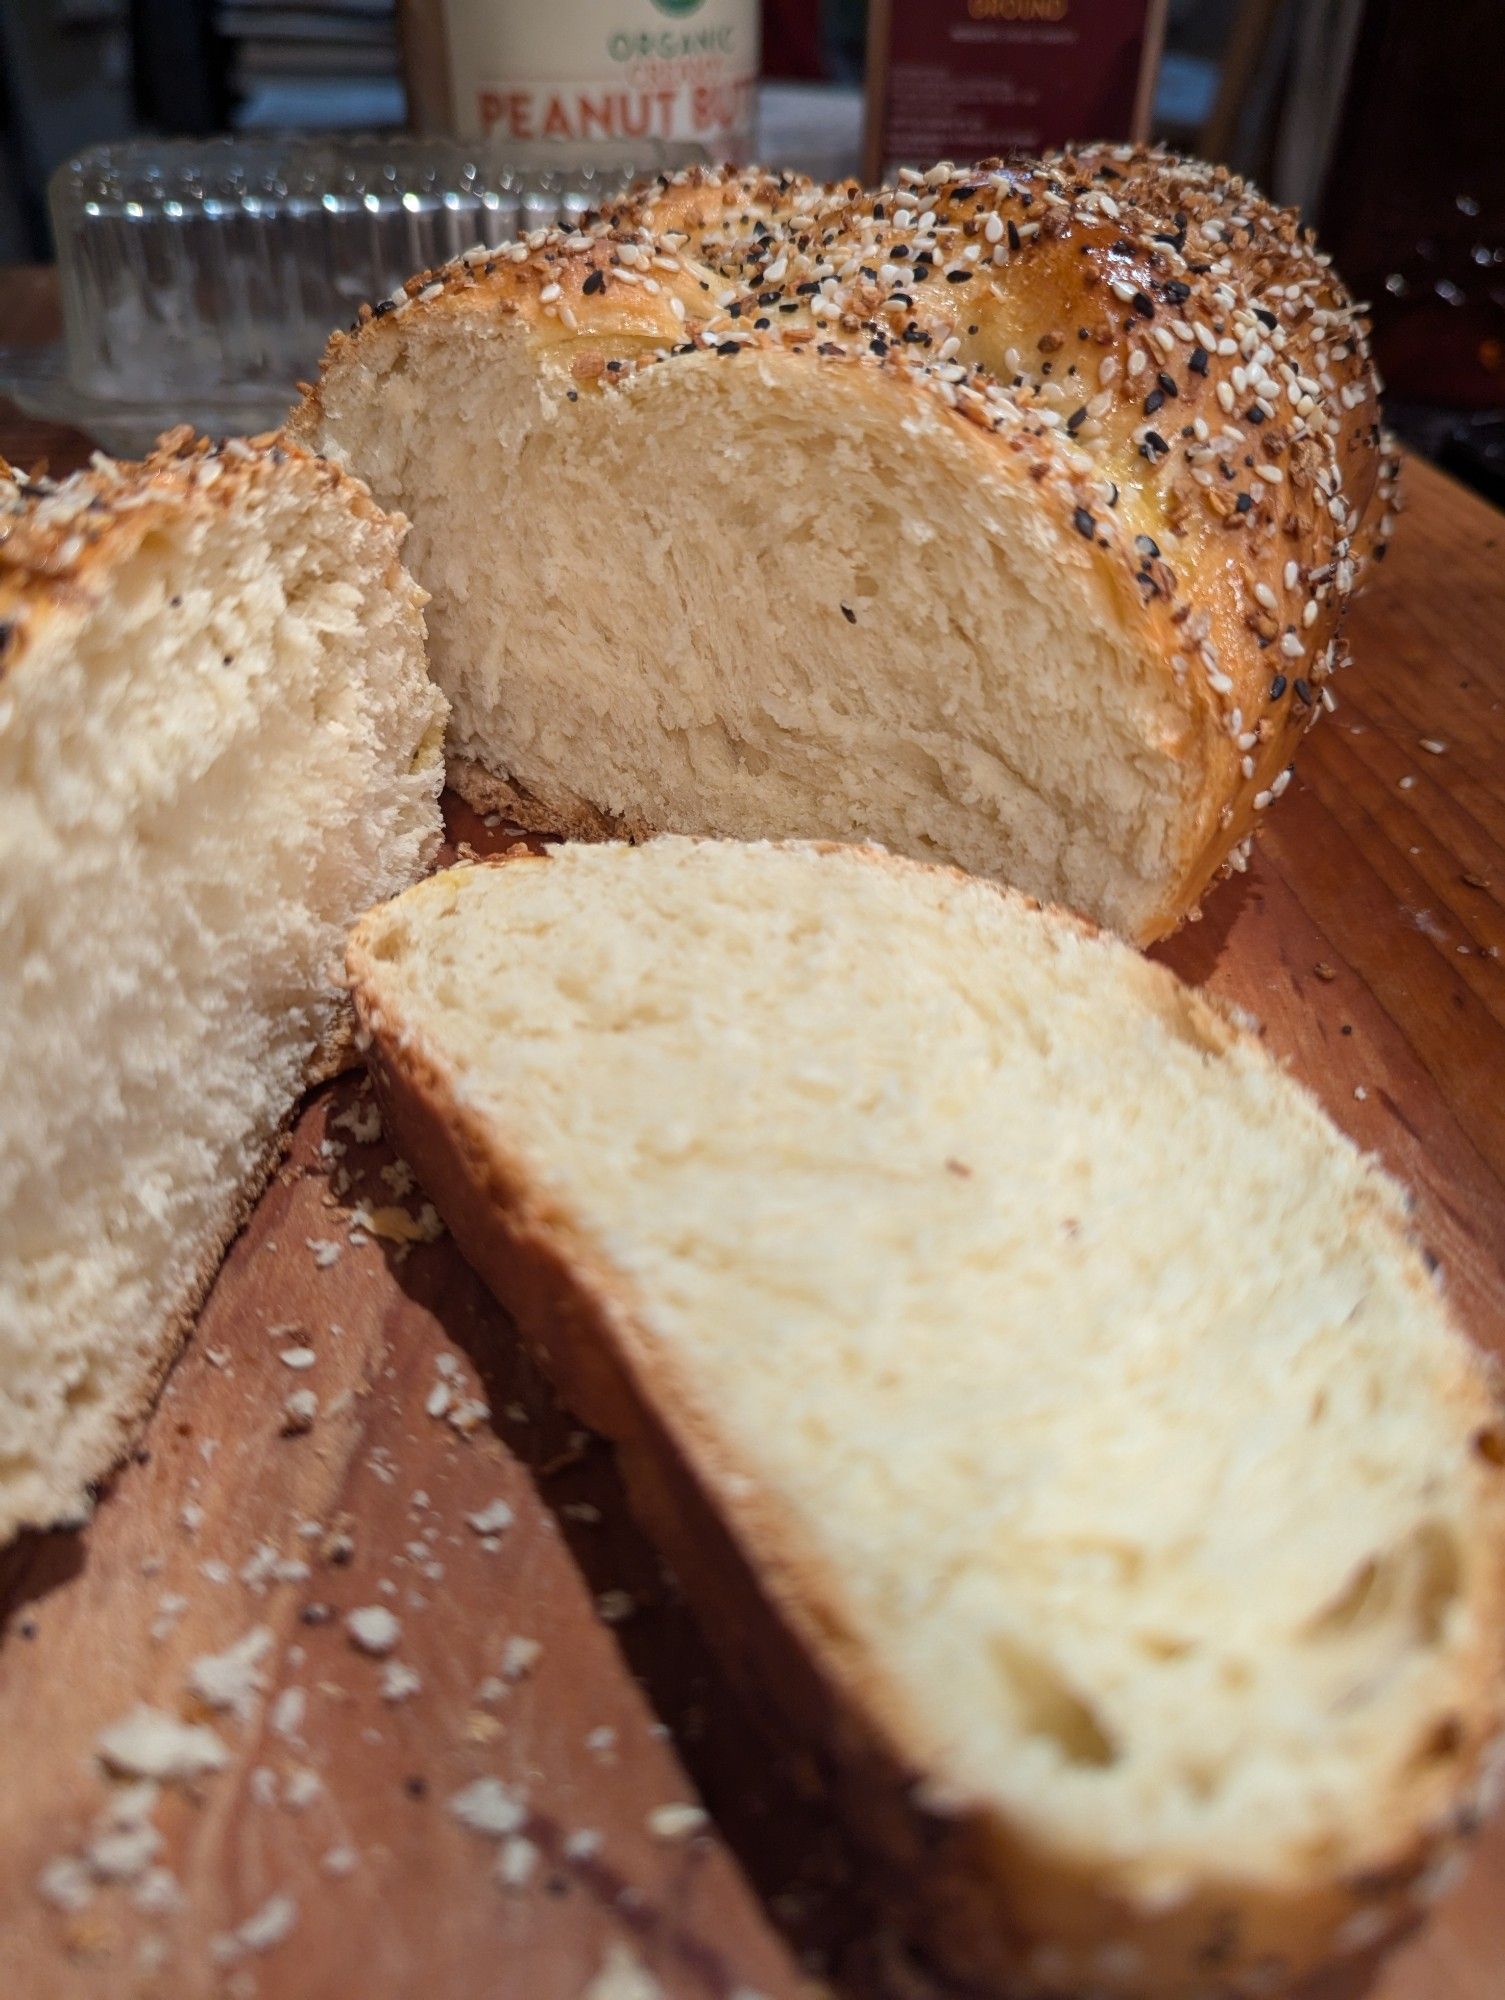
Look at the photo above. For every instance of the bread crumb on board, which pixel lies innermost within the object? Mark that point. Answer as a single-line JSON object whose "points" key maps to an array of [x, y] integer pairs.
{"points": [[150, 1743], [373, 1629]]}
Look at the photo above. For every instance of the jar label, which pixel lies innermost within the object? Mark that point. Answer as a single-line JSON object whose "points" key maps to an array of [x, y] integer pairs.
{"points": [[593, 71]]}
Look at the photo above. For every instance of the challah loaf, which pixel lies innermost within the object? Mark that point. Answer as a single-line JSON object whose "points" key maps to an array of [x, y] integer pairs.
{"points": [[218, 745], [1006, 516], [1120, 1522]]}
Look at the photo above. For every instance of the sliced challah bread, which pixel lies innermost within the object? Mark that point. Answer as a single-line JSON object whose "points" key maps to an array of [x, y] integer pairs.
{"points": [[218, 744], [1045, 1407], [1007, 516]]}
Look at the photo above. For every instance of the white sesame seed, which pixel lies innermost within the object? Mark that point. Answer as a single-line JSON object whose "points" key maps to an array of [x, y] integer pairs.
{"points": [[1138, 362], [1225, 397], [1261, 800], [1292, 574], [1266, 596], [1309, 613], [1291, 646], [548, 295], [992, 229], [1271, 474]]}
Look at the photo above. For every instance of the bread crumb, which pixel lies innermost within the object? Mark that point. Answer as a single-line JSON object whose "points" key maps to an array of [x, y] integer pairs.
{"points": [[676, 1822], [487, 1806], [298, 1357], [492, 1518], [373, 1629], [230, 1681], [623, 1976], [66, 1883], [519, 1657], [362, 1120], [398, 1681], [149, 1743], [300, 1788], [516, 1862], [288, 1711], [158, 1893], [262, 1931], [300, 1408]]}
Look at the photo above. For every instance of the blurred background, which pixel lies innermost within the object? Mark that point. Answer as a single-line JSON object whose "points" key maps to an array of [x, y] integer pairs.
{"points": [[1378, 118]]}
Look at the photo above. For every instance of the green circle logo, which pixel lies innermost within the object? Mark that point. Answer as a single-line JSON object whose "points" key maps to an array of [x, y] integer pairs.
{"points": [[677, 6]]}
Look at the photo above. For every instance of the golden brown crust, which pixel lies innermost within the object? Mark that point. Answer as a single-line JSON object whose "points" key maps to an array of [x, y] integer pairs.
{"points": [[1161, 352], [993, 1905], [58, 540]]}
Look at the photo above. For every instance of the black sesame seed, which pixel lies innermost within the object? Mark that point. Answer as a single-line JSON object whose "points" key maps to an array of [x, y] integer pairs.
{"points": [[729, 347], [735, 311], [1153, 401], [762, 324], [900, 299], [595, 282], [1303, 693], [1177, 289], [958, 277], [1167, 383], [1075, 421], [1147, 545], [1254, 414], [572, 395], [770, 298], [1083, 522], [810, 285], [1143, 304], [383, 306], [1154, 444], [790, 306], [914, 334], [1013, 236], [1264, 317], [1243, 502], [416, 1787], [849, 614], [1198, 361], [1112, 494]]}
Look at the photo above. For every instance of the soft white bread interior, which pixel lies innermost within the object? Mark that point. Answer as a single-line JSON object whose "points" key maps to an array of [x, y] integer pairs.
{"points": [[1007, 517], [218, 743], [1033, 1389]]}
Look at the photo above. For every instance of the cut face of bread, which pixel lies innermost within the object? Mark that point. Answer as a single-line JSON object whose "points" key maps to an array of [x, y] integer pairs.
{"points": [[217, 744], [758, 509], [829, 620], [1016, 1366]]}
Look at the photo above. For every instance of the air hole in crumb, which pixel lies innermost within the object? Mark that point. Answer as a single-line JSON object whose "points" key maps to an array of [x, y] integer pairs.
{"points": [[1049, 1708]]}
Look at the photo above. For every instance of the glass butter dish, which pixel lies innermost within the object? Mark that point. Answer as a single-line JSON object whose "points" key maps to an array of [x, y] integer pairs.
{"points": [[200, 279]]}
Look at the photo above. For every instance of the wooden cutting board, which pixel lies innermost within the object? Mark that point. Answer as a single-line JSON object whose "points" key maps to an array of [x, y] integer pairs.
{"points": [[326, 1858]]}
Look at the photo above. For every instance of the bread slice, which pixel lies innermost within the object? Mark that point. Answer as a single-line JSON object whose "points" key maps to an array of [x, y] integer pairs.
{"points": [[218, 743], [999, 517], [1044, 1405]]}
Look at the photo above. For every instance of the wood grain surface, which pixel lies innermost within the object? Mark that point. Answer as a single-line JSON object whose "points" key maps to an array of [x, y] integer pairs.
{"points": [[1367, 937]]}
